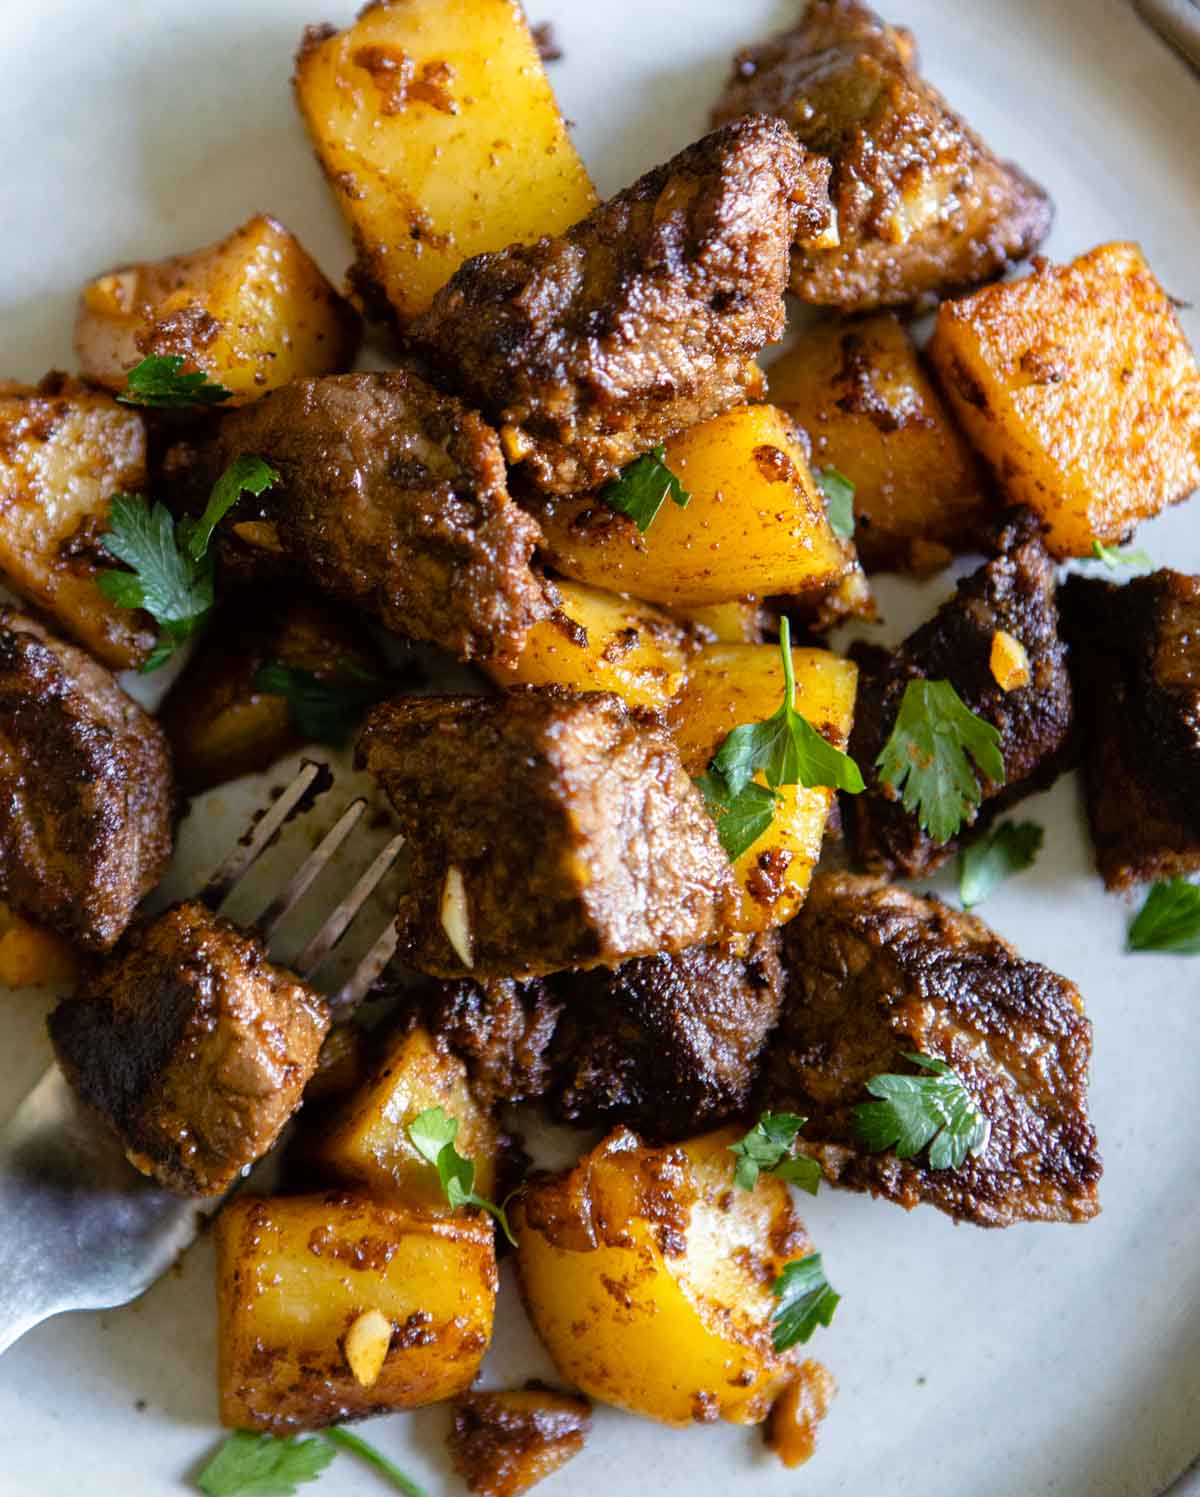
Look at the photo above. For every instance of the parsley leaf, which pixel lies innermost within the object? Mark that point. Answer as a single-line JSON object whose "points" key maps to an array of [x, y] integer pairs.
{"points": [[1169, 920], [806, 1300], [1113, 558], [742, 818], [323, 711], [159, 381], [642, 487], [166, 581], [927, 752], [366, 1452], [767, 1149], [249, 1465], [838, 493], [247, 474], [432, 1134], [1006, 850], [935, 1109]]}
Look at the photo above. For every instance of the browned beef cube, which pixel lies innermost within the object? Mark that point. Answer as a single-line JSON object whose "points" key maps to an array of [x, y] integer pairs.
{"points": [[1135, 662], [922, 204], [87, 803], [668, 1044], [1013, 594], [643, 319], [505, 1441], [501, 1028], [546, 830], [193, 1047], [875, 972]]}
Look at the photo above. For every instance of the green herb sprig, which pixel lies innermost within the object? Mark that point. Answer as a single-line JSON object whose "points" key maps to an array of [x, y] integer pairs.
{"points": [[1002, 852], [934, 1111], [324, 711], [253, 1465], [838, 493], [433, 1134], [1113, 557], [1169, 920], [159, 381], [767, 1149], [806, 1300], [643, 487]]}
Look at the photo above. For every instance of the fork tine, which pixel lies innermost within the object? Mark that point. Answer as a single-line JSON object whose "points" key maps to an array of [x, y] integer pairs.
{"points": [[259, 838], [355, 988], [299, 883], [335, 927]]}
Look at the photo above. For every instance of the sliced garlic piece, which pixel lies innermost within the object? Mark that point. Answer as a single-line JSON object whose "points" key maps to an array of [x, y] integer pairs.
{"points": [[366, 1346], [455, 917], [1009, 662]]}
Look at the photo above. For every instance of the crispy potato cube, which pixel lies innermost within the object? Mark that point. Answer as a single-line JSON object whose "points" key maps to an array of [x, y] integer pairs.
{"points": [[367, 1143], [738, 622], [732, 684], [252, 311], [297, 1274], [599, 641], [64, 451], [1077, 385], [648, 1278], [870, 410], [756, 521], [219, 723], [441, 138], [32, 956]]}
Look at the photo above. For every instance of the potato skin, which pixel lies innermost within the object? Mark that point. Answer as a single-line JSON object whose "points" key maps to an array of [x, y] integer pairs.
{"points": [[870, 410], [740, 683], [403, 108], [295, 1272], [756, 522], [648, 1278], [252, 311], [1078, 386]]}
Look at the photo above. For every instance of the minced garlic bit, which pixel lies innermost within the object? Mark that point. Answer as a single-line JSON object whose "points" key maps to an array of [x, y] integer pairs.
{"points": [[516, 444], [366, 1346], [455, 917], [1009, 663]]}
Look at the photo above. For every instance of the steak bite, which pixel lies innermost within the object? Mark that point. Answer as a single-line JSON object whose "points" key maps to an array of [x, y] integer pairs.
{"points": [[87, 802], [876, 972], [1135, 661], [643, 319], [1012, 595], [668, 1044], [501, 1029], [546, 829], [192, 1046], [922, 205], [394, 497]]}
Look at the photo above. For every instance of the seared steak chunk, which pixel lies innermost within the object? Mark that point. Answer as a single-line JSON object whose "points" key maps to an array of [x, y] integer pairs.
{"points": [[546, 829], [874, 972], [1135, 662], [87, 804], [501, 1029], [192, 1046], [643, 319], [1014, 594], [922, 204]]}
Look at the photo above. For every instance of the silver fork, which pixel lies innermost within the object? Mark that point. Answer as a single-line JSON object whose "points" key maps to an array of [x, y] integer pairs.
{"points": [[80, 1228]]}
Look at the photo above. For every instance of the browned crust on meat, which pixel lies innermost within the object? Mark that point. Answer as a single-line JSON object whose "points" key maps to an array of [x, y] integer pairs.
{"points": [[504, 1442]]}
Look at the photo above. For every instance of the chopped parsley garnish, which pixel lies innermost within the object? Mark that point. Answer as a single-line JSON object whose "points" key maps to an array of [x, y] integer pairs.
{"points": [[1006, 850], [356, 1445], [172, 572], [934, 1110], [432, 1134], [323, 711], [642, 488], [1113, 558], [1169, 920], [767, 1149], [159, 381], [250, 1465], [806, 1300], [838, 493], [742, 818], [927, 754]]}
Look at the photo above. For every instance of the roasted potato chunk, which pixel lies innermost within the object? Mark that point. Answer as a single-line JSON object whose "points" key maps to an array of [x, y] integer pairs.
{"points": [[755, 523], [64, 451], [870, 410], [332, 1307], [367, 1144], [441, 138], [732, 684], [738, 622], [32, 956], [1077, 385], [648, 1278], [252, 311], [600, 641]]}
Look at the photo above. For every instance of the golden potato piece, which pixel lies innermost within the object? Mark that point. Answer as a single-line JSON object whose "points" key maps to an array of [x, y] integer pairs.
{"points": [[252, 311], [30, 955], [870, 410], [732, 684], [1077, 385], [756, 522], [297, 1274], [367, 1143], [600, 641], [648, 1277], [738, 622], [441, 138], [64, 451]]}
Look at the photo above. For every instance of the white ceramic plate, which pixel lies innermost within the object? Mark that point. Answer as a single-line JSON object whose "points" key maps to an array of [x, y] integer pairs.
{"points": [[1036, 1360]]}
